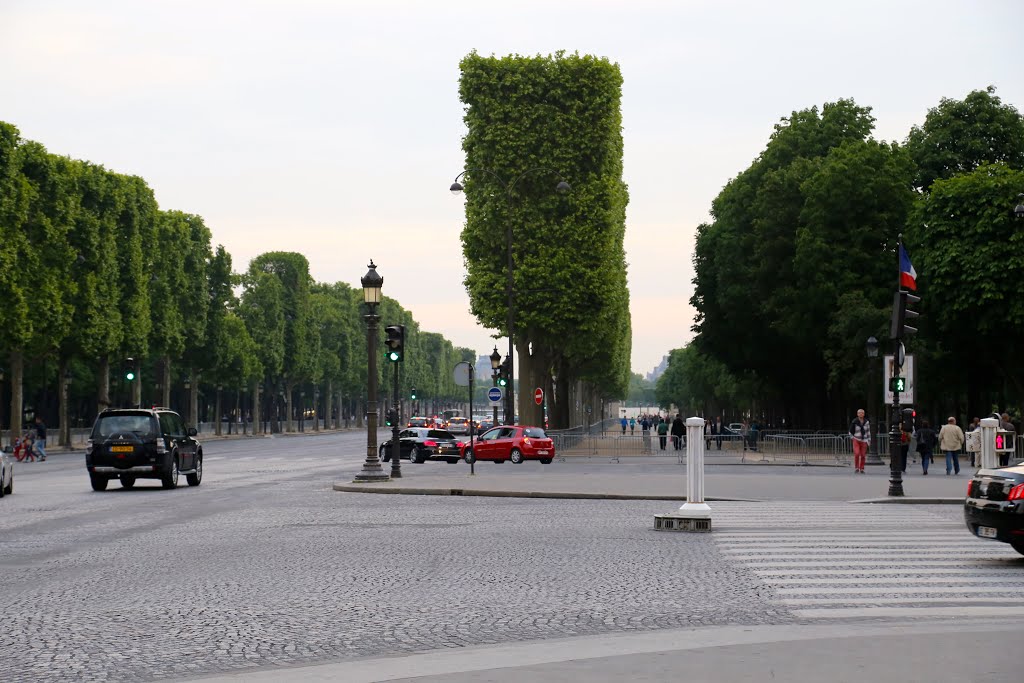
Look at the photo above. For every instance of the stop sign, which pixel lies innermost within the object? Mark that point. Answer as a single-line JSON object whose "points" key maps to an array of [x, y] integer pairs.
{"points": [[538, 396]]}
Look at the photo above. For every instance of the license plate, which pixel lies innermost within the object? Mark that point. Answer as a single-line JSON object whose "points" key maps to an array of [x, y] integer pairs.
{"points": [[122, 449], [542, 452], [986, 532]]}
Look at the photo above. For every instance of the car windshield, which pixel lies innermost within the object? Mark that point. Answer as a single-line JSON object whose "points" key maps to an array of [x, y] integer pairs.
{"points": [[535, 433], [439, 434], [107, 425]]}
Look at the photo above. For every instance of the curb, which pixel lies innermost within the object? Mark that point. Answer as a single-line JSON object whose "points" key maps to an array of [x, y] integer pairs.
{"points": [[417, 491], [904, 500]]}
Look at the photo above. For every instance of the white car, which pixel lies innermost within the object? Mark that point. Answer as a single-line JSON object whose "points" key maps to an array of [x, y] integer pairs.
{"points": [[6, 473]]}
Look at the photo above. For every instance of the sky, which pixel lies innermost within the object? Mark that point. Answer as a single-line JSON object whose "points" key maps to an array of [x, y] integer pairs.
{"points": [[334, 128]]}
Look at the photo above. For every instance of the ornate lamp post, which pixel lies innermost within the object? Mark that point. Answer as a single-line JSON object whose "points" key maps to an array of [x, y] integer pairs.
{"points": [[872, 350], [495, 364], [372, 282], [562, 187]]}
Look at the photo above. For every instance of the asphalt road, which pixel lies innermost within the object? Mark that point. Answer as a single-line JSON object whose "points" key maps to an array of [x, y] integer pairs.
{"points": [[264, 566]]}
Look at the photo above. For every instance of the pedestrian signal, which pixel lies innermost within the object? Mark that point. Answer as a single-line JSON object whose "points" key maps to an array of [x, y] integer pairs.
{"points": [[898, 384]]}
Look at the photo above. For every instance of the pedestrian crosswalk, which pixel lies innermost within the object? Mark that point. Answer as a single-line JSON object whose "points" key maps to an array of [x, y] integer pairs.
{"points": [[842, 560]]}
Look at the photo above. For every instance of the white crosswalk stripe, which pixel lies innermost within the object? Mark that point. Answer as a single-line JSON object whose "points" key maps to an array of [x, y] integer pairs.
{"points": [[840, 560]]}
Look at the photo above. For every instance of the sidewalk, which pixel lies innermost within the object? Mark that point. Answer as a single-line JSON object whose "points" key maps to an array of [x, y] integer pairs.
{"points": [[660, 480]]}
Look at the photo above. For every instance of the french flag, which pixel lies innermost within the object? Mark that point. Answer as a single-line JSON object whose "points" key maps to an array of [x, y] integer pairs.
{"points": [[908, 276]]}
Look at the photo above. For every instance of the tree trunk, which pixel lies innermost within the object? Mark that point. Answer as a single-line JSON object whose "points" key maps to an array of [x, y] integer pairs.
{"points": [[288, 407], [103, 385], [327, 404], [64, 438], [17, 396], [255, 406], [360, 412], [217, 429], [136, 384], [193, 398], [165, 381], [316, 410]]}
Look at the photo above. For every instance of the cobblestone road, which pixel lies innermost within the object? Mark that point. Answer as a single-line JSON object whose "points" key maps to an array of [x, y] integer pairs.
{"points": [[264, 565]]}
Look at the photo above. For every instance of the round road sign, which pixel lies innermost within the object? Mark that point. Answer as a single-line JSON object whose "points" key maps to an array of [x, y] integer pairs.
{"points": [[494, 394], [538, 396]]}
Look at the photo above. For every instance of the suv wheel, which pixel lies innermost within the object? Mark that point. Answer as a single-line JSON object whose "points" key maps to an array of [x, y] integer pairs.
{"points": [[98, 483], [516, 456], [414, 455], [196, 478], [170, 480], [127, 481]]}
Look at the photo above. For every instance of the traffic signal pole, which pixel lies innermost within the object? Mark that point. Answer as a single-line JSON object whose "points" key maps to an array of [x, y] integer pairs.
{"points": [[895, 432]]}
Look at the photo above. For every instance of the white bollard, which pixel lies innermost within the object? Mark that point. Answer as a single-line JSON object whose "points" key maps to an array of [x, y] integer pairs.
{"points": [[694, 515], [989, 425]]}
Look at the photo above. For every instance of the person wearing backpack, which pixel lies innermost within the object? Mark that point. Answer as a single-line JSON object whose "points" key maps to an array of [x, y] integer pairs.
{"points": [[926, 440]]}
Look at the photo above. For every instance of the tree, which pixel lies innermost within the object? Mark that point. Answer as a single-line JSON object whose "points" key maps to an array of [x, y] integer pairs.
{"points": [[533, 121], [958, 136]]}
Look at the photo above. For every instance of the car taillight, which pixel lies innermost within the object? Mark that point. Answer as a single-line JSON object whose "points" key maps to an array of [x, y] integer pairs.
{"points": [[970, 485], [430, 444], [526, 441], [1016, 493]]}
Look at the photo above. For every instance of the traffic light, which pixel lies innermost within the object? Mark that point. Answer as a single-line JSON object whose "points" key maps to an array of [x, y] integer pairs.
{"points": [[129, 369], [391, 417], [898, 384], [503, 374], [412, 394], [395, 343], [908, 415], [900, 314]]}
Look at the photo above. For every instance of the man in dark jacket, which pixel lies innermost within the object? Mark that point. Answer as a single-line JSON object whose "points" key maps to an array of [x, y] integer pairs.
{"points": [[678, 429]]}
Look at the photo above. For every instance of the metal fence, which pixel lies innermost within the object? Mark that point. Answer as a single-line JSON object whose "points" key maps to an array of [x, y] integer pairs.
{"points": [[781, 447]]}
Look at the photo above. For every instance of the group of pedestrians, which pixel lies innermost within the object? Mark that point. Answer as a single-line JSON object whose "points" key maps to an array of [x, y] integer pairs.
{"points": [[950, 440], [32, 444]]}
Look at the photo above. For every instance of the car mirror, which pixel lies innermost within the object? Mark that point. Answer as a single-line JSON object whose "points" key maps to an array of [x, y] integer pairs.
{"points": [[192, 431]]}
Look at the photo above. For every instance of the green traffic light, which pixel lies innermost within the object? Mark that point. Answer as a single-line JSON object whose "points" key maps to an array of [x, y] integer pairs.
{"points": [[393, 356], [130, 376]]}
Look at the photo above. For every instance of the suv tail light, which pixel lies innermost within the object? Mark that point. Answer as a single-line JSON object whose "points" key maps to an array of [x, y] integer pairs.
{"points": [[970, 487], [430, 444], [1016, 493]]}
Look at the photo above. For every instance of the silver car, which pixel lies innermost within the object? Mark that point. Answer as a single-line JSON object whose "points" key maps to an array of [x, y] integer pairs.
{"points": [[6, 473]]}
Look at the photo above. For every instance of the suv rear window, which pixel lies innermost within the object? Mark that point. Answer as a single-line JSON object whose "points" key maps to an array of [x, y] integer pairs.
{"points": [[535, 433], [142, 425]]}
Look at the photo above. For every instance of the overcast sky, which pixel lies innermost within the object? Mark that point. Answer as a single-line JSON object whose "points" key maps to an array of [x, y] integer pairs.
{"points": [[334, 128]]}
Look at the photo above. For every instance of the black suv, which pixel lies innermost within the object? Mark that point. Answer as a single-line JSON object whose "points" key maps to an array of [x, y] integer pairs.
{"points": [[142, 444]]}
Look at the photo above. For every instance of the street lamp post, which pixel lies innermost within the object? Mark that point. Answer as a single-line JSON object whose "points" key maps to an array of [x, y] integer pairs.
{"points": [[495, 364], [872, 350], [457, 188], [372, 282]]}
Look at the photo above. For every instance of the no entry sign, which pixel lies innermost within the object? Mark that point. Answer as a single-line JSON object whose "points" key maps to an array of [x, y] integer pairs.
{"points": [[538, 396]]}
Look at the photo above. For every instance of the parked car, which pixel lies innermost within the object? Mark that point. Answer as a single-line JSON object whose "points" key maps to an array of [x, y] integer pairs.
{"points": [[6, 471], [142, 444], [458, 425], [994, 507], [516, 443], [418, 444]]}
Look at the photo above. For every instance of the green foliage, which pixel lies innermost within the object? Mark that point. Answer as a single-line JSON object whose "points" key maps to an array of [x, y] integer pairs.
{"points": [[533, 121], [958, 136]]}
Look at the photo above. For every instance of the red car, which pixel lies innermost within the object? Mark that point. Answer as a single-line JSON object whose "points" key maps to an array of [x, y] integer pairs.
{"points": [[515, 443]]}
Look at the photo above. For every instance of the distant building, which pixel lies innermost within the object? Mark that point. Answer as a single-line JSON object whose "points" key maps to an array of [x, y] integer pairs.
{"points": [[654, 374]]}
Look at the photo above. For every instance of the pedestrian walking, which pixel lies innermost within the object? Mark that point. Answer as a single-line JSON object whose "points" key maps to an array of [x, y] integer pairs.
{"points": [[1006, 425], [754, 428], [678, 429], [860, 431], [744, 433], [718, 431], [707, 434], [632, 426], [972, 450], [662, 433], [40, 441], [625, 423], [951, 439], [926, 440], [645, 430]]}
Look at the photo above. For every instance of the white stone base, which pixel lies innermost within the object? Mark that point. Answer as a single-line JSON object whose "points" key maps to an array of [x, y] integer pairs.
{"points": [[695, 510], [679, 522]]}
